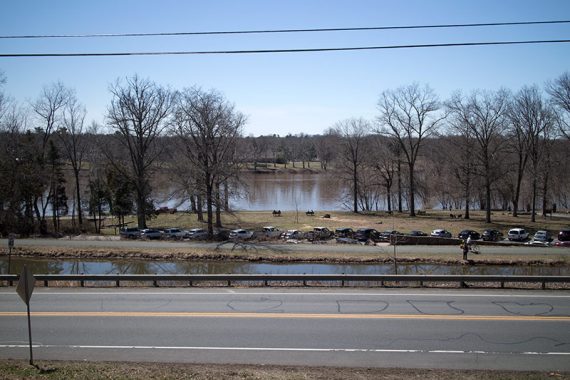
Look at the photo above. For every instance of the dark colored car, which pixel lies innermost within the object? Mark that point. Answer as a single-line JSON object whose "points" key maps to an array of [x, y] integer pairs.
{"points": [[388, 235], [492, 235], [344, 232], [469, 233], [563, 238], [417, 233], [365, 234]]}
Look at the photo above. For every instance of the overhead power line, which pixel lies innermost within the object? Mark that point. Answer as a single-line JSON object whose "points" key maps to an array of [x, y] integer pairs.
{"points": [[309, 30], [268, 51]]}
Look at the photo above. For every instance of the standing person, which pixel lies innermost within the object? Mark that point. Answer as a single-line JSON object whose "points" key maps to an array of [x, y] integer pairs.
{"points": [[465, 246]]}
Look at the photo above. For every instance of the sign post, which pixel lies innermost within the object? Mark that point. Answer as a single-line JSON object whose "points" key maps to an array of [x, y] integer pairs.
{"points": [[24, 289], [11, 238]]}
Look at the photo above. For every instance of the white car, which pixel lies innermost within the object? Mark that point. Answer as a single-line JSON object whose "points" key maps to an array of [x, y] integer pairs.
{"points": [[241, 234], [517, 234], [441, 233], [173, 233]]}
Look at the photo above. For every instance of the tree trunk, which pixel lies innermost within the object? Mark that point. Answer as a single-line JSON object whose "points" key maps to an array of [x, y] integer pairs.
{"points": [[78, 199], [218, 206], [399, 186], [412, 191], [487, 200], [533, 205], [355, 187]]}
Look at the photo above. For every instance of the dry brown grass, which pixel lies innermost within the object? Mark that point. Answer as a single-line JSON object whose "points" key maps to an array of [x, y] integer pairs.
{"points": [[12, 369]]}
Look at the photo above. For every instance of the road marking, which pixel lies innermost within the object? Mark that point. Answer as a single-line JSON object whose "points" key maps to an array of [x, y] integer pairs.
{"points": [[287, 349], [234, 292], [287, 316]]}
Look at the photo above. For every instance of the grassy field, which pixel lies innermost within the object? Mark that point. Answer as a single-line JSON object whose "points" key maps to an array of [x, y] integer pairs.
{"points": [[502, 221], [12, 369]]}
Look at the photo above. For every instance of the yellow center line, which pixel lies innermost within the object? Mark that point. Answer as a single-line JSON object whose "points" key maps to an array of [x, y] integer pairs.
{"points": [[286, 315]]}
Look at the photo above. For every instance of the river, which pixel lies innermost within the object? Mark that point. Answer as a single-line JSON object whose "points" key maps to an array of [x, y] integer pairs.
{"points": [[82, 266]]}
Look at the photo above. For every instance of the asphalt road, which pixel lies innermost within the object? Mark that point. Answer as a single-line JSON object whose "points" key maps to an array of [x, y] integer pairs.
{"points": [[515, 330], [519, 249]]}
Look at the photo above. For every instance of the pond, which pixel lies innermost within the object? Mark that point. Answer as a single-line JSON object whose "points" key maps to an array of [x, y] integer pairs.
{"points": [[285, 192], [78, 266]]}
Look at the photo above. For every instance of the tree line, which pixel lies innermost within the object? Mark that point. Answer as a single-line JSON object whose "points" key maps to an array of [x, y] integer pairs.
{"points": [[485, 149]]}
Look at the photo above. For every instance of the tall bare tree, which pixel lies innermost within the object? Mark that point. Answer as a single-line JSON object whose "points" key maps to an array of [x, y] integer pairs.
{"points": [[410, 115], [533, 119], [559, 91], [72, 137], [48, 109], [209, 126], [352, 135], [139, 113], [483, 116]]}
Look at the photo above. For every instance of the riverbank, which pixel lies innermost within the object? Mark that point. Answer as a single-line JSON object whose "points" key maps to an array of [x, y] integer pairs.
{"points": [[19, 369], [283, 253]]}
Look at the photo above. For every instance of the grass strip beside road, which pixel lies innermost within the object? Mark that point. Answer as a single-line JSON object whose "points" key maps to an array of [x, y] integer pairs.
{"points": [[19, 369]]}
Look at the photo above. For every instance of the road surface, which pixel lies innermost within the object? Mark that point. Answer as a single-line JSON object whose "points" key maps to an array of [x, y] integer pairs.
{"points": [[514, 330]]}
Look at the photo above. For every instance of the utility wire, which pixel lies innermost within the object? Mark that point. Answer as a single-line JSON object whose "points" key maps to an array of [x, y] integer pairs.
{"points": [[287, 30], [308, 50]]}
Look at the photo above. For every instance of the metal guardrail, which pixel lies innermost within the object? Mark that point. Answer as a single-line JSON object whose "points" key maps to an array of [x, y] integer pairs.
{"points": [[293, 279]]}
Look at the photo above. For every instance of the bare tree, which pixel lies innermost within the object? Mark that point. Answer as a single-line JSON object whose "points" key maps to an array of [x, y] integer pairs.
{"points": [[139, 113], [409, 114], [75, 144], [352, 134], [533, 119], [483, 115], [48, 109], [209, 128], [559, 91]]}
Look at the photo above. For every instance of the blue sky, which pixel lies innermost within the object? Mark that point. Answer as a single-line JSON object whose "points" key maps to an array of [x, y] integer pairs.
{"points": [[282, 93]]}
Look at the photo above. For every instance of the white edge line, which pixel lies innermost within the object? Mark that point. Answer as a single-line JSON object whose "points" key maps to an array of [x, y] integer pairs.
{"points": [[286, 349], [87, 293]]}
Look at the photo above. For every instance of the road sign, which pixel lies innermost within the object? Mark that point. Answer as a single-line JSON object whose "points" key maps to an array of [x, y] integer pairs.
{"points": [[26, 285]]}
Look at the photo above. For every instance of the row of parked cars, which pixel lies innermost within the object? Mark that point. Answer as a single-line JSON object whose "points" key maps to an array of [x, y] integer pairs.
{"points": [[540, 237], [165, 233], [346, 235]]}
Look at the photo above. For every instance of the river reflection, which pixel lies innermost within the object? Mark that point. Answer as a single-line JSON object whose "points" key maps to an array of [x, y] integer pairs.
{"points": [[46, 266]]}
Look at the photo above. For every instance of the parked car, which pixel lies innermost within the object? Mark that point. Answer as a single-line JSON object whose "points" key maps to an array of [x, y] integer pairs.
{"points": [[563, 238], [417, 233], [293, 235], [150, 234], [271, 232], [365, 234], [129, 233], [344, 232], [388, 235], [173, 233], [469, 233], [517, 234], [542, 238], [492, 235], [240, 234], [440, 233], [196, 234], [319, 233]]}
